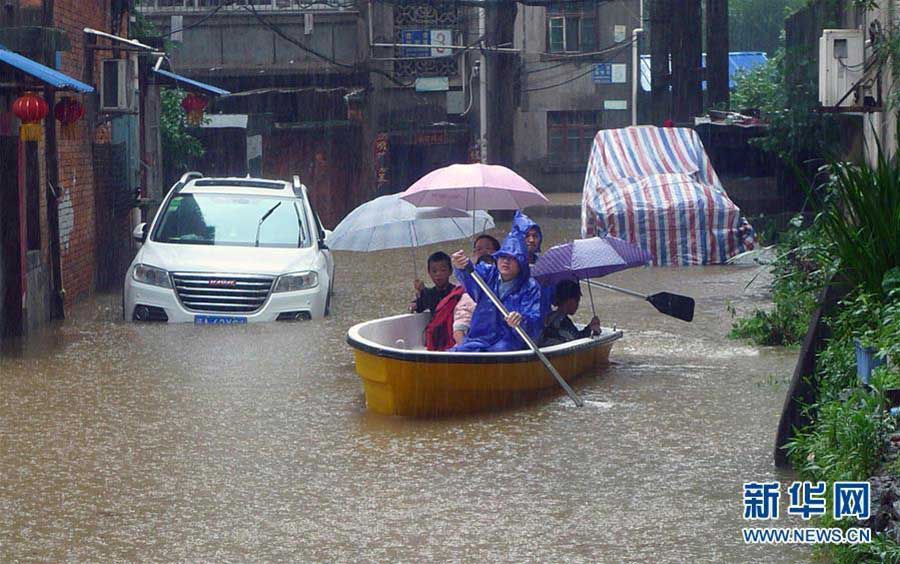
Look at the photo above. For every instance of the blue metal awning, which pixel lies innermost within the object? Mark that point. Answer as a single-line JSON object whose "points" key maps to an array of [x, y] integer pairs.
{"points": [[738, 62], [43, 73], [184, 81]]}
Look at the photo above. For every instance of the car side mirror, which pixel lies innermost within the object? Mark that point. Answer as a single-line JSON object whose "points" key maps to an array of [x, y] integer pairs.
{"points": [[140, 233], [326, 233]]}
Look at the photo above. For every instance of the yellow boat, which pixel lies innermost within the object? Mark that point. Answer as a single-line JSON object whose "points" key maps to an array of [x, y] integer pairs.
{"points": [[400, 377]]}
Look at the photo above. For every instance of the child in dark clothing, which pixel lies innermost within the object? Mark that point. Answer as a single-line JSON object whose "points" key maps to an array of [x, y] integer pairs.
{"points": [[559, 328], [428, 298]]}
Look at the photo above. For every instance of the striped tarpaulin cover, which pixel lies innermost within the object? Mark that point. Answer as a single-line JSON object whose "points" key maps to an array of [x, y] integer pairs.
{"points": [[655, 187]]}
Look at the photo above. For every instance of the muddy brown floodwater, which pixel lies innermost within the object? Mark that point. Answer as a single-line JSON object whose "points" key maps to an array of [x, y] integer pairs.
{"points": [[153, 442]]}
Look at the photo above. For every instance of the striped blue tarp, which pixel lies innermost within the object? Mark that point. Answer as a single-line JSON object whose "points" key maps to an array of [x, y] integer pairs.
{"points": [[656, 188]]}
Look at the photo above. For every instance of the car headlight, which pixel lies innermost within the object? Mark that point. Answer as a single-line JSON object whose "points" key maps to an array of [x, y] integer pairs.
{"points": [[297, 281], [151, 275]]}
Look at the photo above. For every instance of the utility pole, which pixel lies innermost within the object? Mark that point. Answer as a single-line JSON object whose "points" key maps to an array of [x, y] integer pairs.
{"points": [[687, 96], [636, 61], [660, 49], [498, 96], [482, 89], [717, 52]]}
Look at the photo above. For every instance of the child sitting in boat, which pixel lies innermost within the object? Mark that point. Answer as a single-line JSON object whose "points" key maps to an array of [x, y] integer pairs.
{"points": [[483, 249], [559, 327], [531, 233], [439, 271], [510, 280]]}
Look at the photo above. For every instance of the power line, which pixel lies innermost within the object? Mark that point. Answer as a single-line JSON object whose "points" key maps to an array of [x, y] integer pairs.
{"points": [[210, 14], [575, 56], [489, 3], [353, 66], [573, 79]]}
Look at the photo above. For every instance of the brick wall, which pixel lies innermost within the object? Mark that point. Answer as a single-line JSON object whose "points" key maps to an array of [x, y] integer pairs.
{"points": [[76, 175]]}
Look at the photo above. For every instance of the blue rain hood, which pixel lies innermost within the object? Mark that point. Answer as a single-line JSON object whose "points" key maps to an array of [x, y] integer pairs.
{"points": [[522, 223], [520, 226], [514, 246]]}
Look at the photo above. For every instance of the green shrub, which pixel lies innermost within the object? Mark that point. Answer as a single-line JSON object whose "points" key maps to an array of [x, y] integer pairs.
{"points": [[845, 440], [859, 215], [178, 145], [798, 277]]}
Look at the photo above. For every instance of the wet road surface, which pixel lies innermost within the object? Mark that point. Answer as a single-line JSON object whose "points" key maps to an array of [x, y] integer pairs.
{"points": [[153, 442]]}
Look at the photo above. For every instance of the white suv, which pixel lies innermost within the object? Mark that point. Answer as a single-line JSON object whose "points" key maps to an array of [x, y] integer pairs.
{"points": [[230, 250]]}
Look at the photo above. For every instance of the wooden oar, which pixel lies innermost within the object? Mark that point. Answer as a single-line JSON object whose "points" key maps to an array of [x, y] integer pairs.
{"points": [[679, 307], [525, 337]]}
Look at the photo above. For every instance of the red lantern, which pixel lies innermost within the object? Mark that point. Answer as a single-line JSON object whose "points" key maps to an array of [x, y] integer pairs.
{"points": [[31, 109], [68, 111], [194, 105]]}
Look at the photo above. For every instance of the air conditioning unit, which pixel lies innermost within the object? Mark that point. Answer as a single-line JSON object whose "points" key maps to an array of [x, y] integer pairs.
{"points": [[841, 62], [115, 85]]}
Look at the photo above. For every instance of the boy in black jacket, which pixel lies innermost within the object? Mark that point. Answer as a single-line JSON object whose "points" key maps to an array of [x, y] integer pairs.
{"points": [[439, 270]]}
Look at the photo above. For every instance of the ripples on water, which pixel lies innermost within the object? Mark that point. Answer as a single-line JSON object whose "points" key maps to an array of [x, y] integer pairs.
{"points": [[149, 442]]}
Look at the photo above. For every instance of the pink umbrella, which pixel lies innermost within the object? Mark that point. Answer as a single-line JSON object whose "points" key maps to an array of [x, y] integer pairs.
{"points": [[474, 187]]}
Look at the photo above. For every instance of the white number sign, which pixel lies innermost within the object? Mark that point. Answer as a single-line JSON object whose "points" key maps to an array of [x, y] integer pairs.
{"points": [[441, 37]]}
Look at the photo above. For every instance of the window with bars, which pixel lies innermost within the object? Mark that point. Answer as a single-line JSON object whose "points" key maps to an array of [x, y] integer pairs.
{"points": [[416, 19], [570, 135], [572, 27]]}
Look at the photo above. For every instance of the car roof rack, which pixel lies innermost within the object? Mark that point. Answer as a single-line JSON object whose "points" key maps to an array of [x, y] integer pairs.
{"points": [[239, 182], [299, 188], [187, 177]]}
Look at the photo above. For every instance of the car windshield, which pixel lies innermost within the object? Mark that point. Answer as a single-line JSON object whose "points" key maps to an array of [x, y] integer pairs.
{"points": [[223, 219]]}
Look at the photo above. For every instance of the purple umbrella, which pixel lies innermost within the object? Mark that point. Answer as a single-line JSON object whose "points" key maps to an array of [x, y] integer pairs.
{"points": [[588, 258]]}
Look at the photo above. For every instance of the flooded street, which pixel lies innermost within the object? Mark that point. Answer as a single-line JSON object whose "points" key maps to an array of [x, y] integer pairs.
{"points": [[154, 442]]}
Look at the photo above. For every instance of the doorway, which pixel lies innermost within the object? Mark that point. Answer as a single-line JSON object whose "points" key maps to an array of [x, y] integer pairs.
{"points": [[11, 313], [410, 162]]}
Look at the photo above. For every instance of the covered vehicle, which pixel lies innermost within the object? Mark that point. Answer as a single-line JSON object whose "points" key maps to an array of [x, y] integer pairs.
{"points": [[656, 187]]}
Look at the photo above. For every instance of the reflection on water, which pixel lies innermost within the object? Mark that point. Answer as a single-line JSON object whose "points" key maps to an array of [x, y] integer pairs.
{"points": [[144, 442]]}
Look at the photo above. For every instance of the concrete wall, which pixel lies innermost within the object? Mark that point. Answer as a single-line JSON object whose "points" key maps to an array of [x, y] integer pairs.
{"points": [[395, 106], [554, 83], [37, 298], [882, 124], [237, 44], [322, 160]]}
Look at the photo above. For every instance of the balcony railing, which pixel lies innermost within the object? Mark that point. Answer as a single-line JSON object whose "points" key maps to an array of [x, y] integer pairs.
{"points": [[204, 6]]}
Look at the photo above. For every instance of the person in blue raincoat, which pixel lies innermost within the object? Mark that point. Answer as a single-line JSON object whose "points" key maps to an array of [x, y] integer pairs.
{"points": [[531, 234], [511, 281]]}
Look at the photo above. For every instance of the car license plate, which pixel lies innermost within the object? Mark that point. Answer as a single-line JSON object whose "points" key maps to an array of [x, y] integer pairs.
{"points": [[219, 320]]}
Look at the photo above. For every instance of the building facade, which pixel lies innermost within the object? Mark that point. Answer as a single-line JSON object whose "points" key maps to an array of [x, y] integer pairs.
{"points": [[362, 98], [338, 93], [424, 112], [292, 68], [58, 216], [575, 78]]}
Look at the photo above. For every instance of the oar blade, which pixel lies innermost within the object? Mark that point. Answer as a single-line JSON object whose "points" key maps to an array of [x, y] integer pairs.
{"points": [[679, 307]]}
